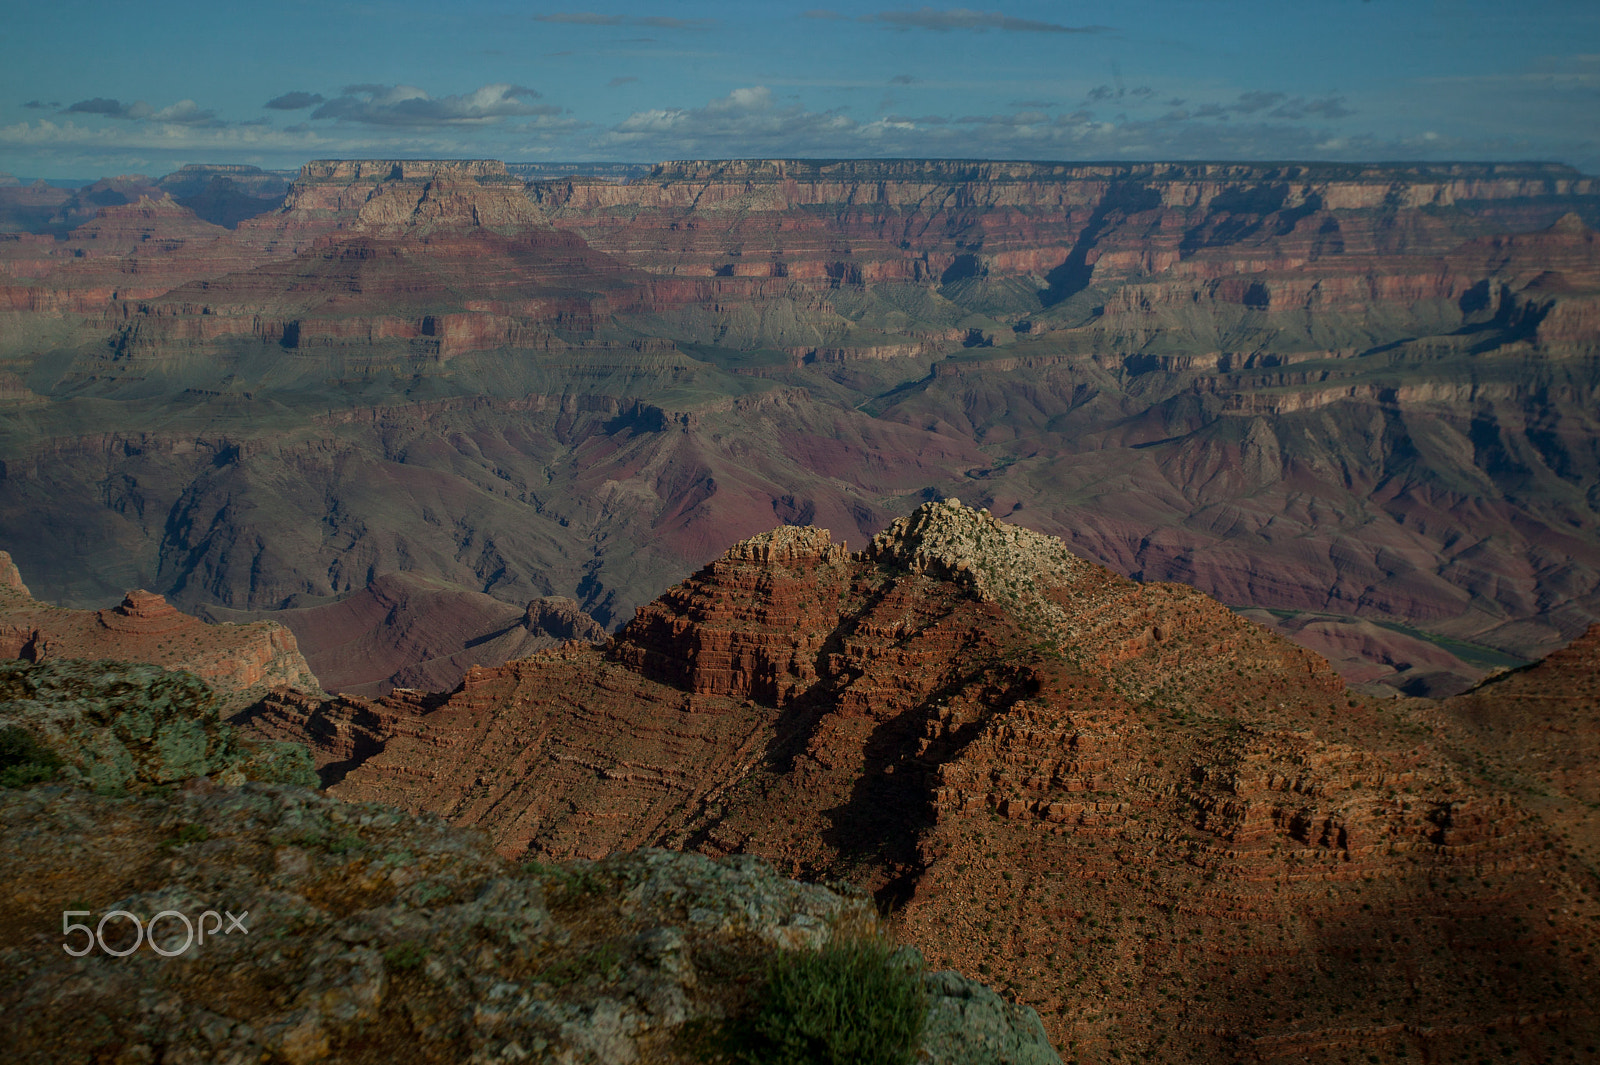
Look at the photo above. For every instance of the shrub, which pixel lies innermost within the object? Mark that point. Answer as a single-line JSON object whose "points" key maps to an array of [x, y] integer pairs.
{"points": [[851, 1004], [405, 956], [24, 760], [187, 834]]}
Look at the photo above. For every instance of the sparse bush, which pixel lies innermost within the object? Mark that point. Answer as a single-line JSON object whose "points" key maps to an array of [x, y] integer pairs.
{"points": [[405, 956], [852, 1004], [187, 834], [24, 760], [567, 883]]}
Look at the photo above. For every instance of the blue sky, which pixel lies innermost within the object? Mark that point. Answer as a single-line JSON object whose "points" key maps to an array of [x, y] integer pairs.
{"points": [[91, 88]]}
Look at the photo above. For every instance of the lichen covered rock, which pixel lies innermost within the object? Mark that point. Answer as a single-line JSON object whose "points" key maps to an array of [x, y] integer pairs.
{"points": [[367, 934], [114, 725]]}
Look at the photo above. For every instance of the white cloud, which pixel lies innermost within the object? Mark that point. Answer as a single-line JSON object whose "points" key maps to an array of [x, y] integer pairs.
{"points": [[750, 122], [407, 105]]}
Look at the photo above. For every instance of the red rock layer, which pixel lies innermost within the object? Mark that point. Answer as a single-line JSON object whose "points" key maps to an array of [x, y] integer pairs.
{"points": [[1170, 831], [240, 661]]}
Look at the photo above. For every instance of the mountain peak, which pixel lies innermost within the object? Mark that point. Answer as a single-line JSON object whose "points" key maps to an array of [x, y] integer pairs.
{"points": [[971, 545], [788, 544], [1011, 566]]}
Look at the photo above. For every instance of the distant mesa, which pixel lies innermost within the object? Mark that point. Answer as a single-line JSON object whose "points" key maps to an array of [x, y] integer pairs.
{"points": [[146, 613], [482, 170], [240, 661]]}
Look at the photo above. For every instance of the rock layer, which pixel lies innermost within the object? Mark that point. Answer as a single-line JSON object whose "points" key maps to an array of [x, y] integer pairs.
{"points": [[1171, 832], [1341, 390]]}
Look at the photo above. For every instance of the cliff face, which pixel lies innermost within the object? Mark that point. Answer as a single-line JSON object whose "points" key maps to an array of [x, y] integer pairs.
{"points": [[1170, 831], [1324, 390]]}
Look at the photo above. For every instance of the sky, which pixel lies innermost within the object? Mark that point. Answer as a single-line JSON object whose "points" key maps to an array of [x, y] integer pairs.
{"points": [[93, 88]]}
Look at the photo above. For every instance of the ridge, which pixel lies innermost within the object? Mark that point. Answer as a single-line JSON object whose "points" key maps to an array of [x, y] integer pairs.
{"points": [[1156, 819]]}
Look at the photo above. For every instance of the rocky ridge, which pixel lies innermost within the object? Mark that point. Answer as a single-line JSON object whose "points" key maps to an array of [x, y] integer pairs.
{"points": [[1169, 831]]}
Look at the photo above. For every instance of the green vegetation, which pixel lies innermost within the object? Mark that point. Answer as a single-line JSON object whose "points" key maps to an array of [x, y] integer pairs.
{"points": [[24, 760], [852, 1004], [405, 956], [566, 884], [604, 963], [186, 835], [334, 842], [116, 726]]}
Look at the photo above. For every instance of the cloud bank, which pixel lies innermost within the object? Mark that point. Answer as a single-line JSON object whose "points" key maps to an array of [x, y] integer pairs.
{"points": [[409, 106]]}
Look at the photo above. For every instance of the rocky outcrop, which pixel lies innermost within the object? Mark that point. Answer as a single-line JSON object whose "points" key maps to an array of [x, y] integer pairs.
{"points": [[1150, 820], [241, 661], [11, 578], [355, 931], [559, 618]]}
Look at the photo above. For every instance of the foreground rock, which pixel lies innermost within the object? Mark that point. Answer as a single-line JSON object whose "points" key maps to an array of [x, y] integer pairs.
{"points": [[113, 726], [369, 935], [1173, 833]]}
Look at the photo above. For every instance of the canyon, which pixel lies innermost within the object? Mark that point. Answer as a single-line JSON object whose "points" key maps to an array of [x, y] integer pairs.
{"points": [[1358, 400]]}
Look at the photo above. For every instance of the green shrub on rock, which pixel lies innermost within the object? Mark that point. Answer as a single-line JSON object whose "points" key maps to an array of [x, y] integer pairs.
{"points": [[119, 725], [859, 1003], [24, 760]]}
